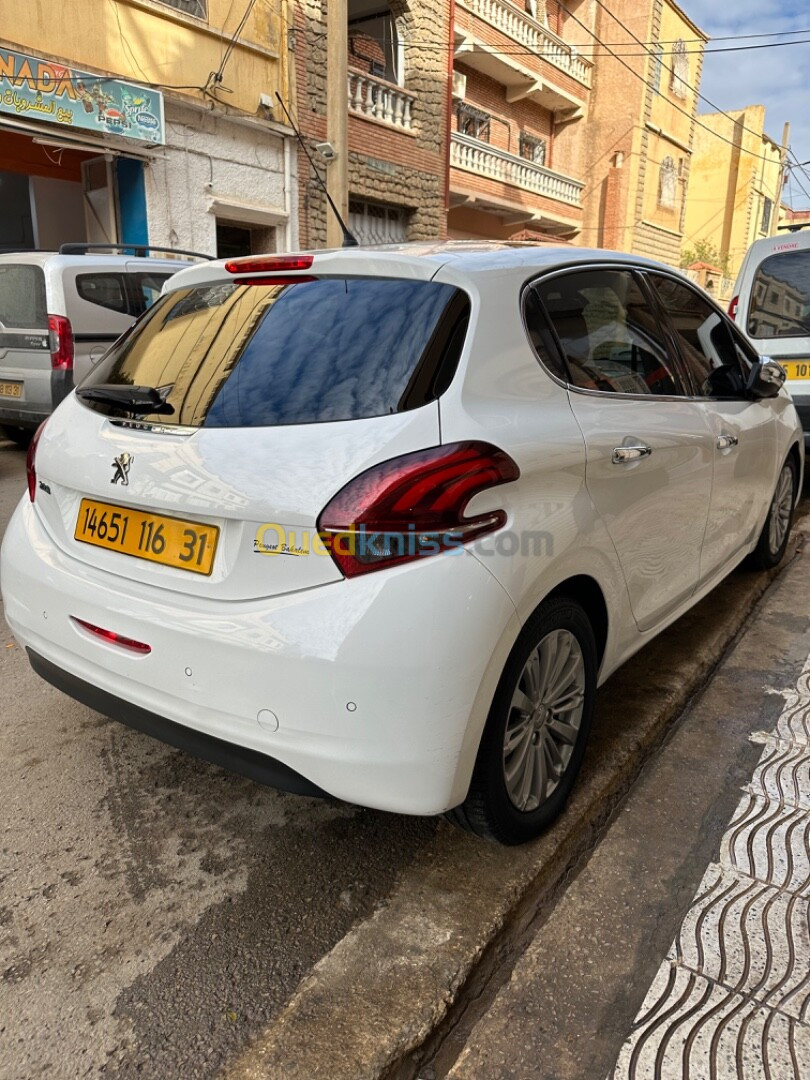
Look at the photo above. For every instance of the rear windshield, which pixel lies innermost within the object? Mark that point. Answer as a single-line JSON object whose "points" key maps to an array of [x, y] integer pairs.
{"points": [[780, 297], [22, 297], [231, 355]]}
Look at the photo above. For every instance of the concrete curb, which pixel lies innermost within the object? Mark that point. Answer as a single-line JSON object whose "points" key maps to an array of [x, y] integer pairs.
{"points": [[370, 1004]]}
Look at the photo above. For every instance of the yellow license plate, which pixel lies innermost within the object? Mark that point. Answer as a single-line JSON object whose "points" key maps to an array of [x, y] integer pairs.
{"points": [[186, 545], [11, 389], [796, 369]]}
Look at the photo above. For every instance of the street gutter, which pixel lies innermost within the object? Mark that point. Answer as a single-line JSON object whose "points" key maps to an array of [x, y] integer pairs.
{"points": [[378, 1003]]}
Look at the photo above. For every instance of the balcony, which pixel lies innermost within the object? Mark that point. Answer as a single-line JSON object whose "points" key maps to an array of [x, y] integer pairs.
{"points": [[377, 99], [473, 156], [520, 72]]}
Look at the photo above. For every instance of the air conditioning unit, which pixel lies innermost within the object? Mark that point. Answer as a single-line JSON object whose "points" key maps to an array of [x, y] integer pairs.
{"points": [[459, 85]]}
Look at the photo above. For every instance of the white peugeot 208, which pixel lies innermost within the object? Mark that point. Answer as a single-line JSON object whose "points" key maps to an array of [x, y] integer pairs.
{"points": [[375, 523]]}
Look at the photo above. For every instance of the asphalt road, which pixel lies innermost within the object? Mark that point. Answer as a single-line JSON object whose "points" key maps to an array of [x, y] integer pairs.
{"points": [[156, 911]]}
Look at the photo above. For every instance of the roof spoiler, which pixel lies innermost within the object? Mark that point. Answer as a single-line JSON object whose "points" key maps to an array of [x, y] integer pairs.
{"points": [[137, 250]]}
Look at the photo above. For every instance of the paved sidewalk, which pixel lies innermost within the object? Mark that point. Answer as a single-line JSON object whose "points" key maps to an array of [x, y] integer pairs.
{"points": [[711, 849], [732, 997]]}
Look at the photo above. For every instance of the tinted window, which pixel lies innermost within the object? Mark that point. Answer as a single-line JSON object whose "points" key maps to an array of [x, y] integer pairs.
{"points": [[232, 355], [22, 298], [539, 330], [106, 290], [608, 333], [780, 296], [705, 340], [145, 290]]}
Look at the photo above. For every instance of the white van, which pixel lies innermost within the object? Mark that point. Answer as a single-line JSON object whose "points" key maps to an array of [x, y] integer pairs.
{"points": [[59, 313], [772, 305]]}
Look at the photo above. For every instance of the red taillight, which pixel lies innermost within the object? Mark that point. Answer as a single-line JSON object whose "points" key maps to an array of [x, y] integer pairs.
{"points": [[30, 462], [274, 282], [413, 506], [732, 308], [60, 338], [269, 264], [113, 638]]}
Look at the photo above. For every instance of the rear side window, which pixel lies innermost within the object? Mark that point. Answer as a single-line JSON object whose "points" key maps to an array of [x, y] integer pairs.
{"points": [[22, 298], [780, 296], [107, 290], [231, 355], [145, 289], [609, 335], [705, 340]]}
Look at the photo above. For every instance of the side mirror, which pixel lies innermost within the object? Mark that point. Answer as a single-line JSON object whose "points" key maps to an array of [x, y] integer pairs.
{"points": [[766, 379]]}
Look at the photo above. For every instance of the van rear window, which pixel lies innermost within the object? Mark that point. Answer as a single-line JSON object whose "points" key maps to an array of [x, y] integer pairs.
{"points": [[231, 355], [780, 297], [22, 297]]}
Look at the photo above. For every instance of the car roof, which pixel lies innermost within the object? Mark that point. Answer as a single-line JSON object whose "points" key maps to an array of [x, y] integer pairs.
{"points": [[54, 260], [424, 260], [773, 245]]}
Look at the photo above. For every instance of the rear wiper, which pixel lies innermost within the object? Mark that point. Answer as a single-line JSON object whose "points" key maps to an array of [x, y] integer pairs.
{"points": [[138, 400]]}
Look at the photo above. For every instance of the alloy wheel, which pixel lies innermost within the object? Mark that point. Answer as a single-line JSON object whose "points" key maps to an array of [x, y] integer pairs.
{"points": [[781, 509], [544, 720]]}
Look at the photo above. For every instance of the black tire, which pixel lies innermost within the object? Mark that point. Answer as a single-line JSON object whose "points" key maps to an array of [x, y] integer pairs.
{"points": [[19, 435], [488, 810], [766, 555]]}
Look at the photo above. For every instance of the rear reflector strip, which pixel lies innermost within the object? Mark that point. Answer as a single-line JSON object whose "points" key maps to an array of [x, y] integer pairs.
{"points": [[112, 638]]}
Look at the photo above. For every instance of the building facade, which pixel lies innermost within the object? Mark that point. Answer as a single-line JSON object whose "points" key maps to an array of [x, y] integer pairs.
{"points": [[397, 101], [735, 186], [146, 121], [520, 100], [641, 128]]}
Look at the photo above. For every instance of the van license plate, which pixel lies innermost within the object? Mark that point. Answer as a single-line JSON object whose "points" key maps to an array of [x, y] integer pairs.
{"points": [[11, 389], [796, 369], [186, 545]]}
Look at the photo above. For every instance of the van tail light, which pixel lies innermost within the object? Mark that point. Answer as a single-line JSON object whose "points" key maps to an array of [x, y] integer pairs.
{"points": [[732, 308], [30, 462], [413, 506], [60, 342]]}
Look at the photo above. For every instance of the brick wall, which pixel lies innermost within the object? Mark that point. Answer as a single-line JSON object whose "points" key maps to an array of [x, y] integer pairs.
{"points": [[508, 119], [406, 170]]}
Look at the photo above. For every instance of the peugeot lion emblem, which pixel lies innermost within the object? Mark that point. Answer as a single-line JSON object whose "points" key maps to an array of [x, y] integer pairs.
{"points": [[122, 466]]}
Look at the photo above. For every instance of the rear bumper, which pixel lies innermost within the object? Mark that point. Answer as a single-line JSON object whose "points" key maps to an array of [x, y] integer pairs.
{"points": [[238, 759], [22, 417], [379, 686]]}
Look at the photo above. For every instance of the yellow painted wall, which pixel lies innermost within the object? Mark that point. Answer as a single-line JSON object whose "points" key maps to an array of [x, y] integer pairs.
{"points": [[734, 168], [146, 41]]}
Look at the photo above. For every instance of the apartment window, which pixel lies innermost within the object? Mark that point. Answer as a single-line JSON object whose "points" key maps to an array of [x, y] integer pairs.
{"points": [[533, 149], [657, 67], [198, 8], [668, 184], [374, 43], [767, 210], [679, 76], [472, 121]]}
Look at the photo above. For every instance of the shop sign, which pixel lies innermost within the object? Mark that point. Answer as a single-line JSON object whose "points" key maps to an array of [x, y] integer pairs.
{"points": [[44, 90]]}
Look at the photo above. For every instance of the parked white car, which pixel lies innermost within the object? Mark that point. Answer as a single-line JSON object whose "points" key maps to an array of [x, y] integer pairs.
{"points": [[376, 523], [772, 306], [59, 312]]}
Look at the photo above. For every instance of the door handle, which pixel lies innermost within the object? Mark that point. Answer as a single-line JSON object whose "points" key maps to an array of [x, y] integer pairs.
{"points": [[725, 442], [621, 454]]}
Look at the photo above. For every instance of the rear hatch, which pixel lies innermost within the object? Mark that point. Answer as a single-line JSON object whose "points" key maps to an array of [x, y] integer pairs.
{"points": [[269, 397], [777, 318], [25, 356]]}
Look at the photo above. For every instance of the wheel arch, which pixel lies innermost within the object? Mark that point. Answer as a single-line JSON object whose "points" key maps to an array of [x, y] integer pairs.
{"points": [[587, 592], [794, 455]]}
